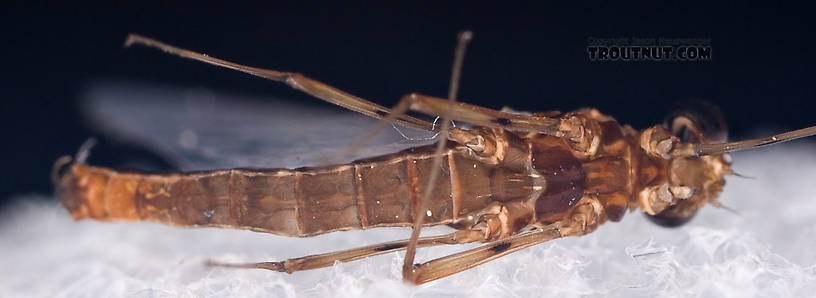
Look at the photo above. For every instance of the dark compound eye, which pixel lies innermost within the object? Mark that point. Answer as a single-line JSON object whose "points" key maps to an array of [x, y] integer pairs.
{"points": [[669, 222], [693, 121], [672, 217], [697, 121]]}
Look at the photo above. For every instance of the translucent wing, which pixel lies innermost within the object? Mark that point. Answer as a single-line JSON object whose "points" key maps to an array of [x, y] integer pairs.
{"points": [[200, 129]]}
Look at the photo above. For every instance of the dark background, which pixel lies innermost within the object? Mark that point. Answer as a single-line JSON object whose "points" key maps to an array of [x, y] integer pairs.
{"points": [[526, 57]]}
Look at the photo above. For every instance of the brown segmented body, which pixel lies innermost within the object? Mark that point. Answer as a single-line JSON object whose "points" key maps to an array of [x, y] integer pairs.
{"points": [[542, 175], [515, 180]]}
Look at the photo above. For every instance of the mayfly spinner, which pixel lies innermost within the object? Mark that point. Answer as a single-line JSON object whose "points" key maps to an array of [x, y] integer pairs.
{"points": [[512, 181]]}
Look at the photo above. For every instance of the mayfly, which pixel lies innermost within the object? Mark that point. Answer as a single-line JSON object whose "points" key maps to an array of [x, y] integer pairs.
{"points": [[511, 181]]}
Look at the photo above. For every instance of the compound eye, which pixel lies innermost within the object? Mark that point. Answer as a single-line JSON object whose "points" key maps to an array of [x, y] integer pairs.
{"points": [[697, 121], [671, 217], [669, 222]]}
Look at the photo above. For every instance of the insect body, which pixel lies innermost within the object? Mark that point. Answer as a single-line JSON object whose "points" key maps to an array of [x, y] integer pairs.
{"points": [[513, 181], [541, 176]]}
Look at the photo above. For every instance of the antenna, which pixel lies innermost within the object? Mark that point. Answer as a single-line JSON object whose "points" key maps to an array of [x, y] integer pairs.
{"points": [[698, 149]]}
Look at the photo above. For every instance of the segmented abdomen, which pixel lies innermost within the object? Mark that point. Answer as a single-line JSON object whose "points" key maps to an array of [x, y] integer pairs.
{"points": [[369, 193]]}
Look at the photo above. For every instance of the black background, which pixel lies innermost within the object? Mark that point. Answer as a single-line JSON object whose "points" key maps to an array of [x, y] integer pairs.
{"points": [[529, 57]]}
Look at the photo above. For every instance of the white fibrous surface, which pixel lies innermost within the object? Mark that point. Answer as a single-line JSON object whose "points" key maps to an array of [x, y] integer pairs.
{"points": [[768, 249]]}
